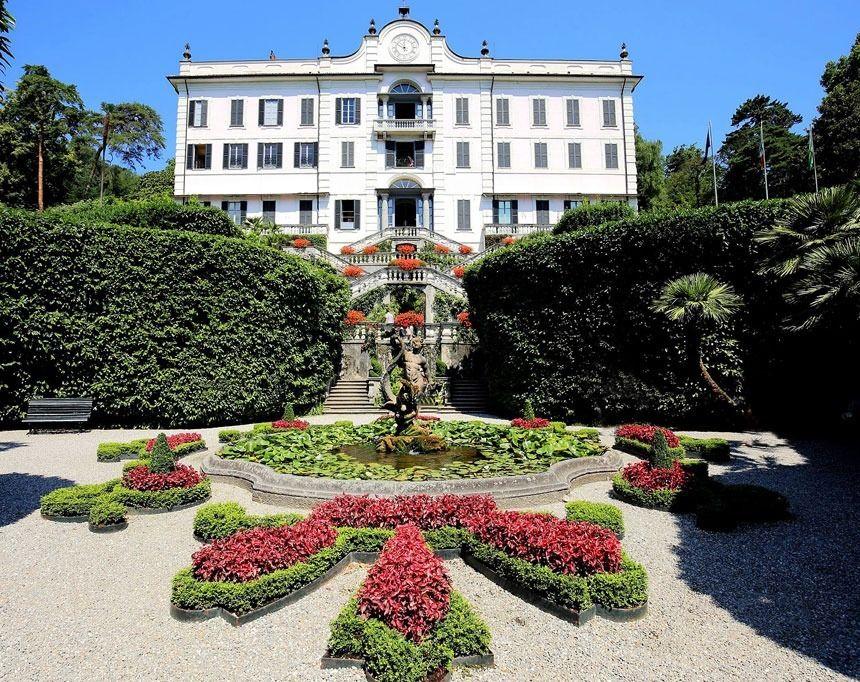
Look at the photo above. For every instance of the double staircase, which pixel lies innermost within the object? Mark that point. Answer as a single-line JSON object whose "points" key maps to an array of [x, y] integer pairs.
{"points": [[468, 396], [349, 397]]}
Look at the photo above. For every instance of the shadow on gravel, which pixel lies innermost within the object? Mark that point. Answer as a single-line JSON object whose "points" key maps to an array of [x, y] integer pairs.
{"points": [[20, 493], [796, 583], [10, 445]]}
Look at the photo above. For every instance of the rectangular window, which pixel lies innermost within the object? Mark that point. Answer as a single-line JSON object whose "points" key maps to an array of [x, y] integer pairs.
{"points": [[271, 112], [539, 112], [464, 215], [462, 111], [541, 157], [609, 113], [573, 112], [237, 113], [505, 211], [462, 155], [347, 111], [504, 154], [542, 211], [237, 210], [307, 118], [235, 156], [404, 154], [347, 214], [198, 113], [199, 157], [503, 112], [270, 154], [347, 154], [269, 211], [611, 151], [574, 155], [570, 204], [306, 211], [305, 155]]}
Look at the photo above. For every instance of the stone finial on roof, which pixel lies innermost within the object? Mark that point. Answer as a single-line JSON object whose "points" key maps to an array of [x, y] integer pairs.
{"points": [[372, 29], [404, 10], [624, 52], [325, 48], [436, 30], [485, 49], [187, 54], [272, 56]]}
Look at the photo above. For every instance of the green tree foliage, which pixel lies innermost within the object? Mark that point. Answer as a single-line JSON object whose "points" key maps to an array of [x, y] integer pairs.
{"points": [[837, 128], [661, 458], [689, 179], [591, 215], [650, 173], [161, 458], [785, 151], [7, 23], [157, 183]]}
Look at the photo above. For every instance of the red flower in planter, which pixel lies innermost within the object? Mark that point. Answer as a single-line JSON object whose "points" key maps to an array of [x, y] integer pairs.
{"points": [[459, 271], [141, 478], [347, 250], [408, 587], [175, 440], [464, 319], [301, 243], [354, 317], [409, 319], [352, 271], [297, 424], [643, 475], [405, 248], [465, 250], [425, 511], [507, 241], [536, 423], [441, 248], [644, 433], [407, 264], [370, 250]]}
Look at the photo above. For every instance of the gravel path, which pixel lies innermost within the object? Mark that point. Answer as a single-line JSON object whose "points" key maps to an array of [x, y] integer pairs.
{"points": [[777, 602]]}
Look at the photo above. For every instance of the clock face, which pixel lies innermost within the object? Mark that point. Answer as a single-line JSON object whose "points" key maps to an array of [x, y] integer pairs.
{"points": [[404, 47]]}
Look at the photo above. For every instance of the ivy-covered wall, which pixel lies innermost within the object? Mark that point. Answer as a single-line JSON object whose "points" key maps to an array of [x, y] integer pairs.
{"points": [[161, 327]]}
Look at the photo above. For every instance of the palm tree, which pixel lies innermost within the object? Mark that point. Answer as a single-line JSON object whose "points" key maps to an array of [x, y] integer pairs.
{"points": [[7, 23], [828, 286], [694, 300]]}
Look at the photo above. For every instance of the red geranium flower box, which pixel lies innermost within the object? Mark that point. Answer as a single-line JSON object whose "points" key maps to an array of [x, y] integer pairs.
{"points": [[301, 243], [409, 319], [405, 248], [298, 424], [459, 271], [644, 433], [352, 271], [347, 250], [507, 241], [354, 317], [407, 264], [464, 319], [370, 250], [465, 250], [176, 440]]}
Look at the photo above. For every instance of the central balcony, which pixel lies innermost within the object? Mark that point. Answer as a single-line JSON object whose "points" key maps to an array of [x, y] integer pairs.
{"points": [[392, 127]]}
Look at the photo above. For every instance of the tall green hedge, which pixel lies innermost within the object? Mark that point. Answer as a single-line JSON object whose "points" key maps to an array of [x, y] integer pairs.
{"points": [[159, 212], [565, 320], [591, 215], [161, 327]]}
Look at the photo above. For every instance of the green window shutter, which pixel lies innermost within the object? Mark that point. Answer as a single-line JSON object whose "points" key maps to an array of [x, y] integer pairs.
{"points": [[419, 154], [204, 113], [259, 155], [357, 110], [357, 218], [337, 111], [191, 106], [297, 155], [244, 156], [495, 211], [337, 214], [223, 205], [279, 154], [226, 159], [208, 160], [390, 154], [189, 157], [515, 211], [261, 113], [280, 112]]}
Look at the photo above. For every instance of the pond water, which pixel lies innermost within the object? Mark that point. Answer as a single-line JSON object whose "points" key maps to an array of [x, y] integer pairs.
{"points": [[367, 454]]}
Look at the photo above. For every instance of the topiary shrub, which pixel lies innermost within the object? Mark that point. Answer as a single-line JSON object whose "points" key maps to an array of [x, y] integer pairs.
{"points": [[160, 457], [289, 413], [660, 455], [588, 215], [528, 410], [107, 512], [600, 513]]}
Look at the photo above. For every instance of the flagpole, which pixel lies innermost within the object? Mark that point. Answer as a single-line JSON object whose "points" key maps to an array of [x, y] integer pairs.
{"points": [[763, 157], [814, 165], [714, 164]]}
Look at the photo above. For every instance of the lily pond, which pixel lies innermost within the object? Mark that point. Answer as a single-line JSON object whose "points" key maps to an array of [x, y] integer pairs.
{"points": [[475, 450]]}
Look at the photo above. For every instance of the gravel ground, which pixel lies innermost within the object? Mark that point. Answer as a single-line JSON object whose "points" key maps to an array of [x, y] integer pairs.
{"points": [[768, 602]]}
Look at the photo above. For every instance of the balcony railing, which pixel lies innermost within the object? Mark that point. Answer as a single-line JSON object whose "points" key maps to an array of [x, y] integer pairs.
{"points": [[516, 228], [404, 125], [303, 229]]}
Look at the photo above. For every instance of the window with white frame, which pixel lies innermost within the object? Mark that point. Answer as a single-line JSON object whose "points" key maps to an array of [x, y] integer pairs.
{"points": [[305, 155], [504, 154], [541, 155], [573, 112], [235, 156], [306, 211], [307, 111], [462, 155], [347, 111], [198, 113], [199, 157], [237, 210], [542, 211], [570, 204], [503, 112], [237, 113], [347, 214], [574, 154], [505, 211], [539, 112], [462, 111], [271, 112], [611, 155], [269, 209], [270, 154], [609, 114], [347, 154]]}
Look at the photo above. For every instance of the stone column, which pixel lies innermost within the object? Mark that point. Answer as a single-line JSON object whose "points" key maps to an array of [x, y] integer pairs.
{"points": [[426, 197], [385, 211], [429, 298], [384, 99], [424, 100]]}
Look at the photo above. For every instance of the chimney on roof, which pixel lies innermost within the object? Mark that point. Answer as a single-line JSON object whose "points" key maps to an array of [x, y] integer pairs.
{"points": [[404, 10]]}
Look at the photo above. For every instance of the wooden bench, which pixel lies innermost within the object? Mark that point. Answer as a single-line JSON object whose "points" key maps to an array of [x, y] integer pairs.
{"points": [[45, 412]]}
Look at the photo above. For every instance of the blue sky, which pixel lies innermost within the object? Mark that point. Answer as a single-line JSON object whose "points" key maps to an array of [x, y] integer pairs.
{"points": [[700, 60]]}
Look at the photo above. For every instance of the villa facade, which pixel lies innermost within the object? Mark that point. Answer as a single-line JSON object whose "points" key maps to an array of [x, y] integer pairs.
{"points": [[405, 132]]}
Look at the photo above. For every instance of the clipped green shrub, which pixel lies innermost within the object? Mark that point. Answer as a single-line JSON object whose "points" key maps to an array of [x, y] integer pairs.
{"points": [[162, 327], [289, 412], [230, 435], [160, 457], [667, 499], [623, 590], [711, 449], [163, 499], [660, 455], [528, 410], [75, 500], [588, 215], [602, 513], [643, 450], [107, 512], [114, 452], [220, 520]]}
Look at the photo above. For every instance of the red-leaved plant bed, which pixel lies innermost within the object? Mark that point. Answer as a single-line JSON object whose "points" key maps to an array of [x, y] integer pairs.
{"points": [[643, 475], [536, 423], [141, 478], [175, 440], [407, 588], [574, 548], [644, 433], [428, 418], [299, 424], [425, 511], [251, 553]]}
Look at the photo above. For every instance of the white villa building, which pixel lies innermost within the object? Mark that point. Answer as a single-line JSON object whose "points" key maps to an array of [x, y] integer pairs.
{"points": [[405, 132]]}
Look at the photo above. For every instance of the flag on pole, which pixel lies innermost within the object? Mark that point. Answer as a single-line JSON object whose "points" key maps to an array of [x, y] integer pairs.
{"points": [[810, 152], [761, 156], [707, 145]]}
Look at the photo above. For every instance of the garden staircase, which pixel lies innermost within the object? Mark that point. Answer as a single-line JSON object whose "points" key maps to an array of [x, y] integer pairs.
{"points": [[349, 397], [468, 396]]}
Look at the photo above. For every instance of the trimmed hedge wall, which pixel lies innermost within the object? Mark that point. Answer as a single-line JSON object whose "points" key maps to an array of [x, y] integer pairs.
{"points": [[568, 317], [160, 327], [592, 215]]}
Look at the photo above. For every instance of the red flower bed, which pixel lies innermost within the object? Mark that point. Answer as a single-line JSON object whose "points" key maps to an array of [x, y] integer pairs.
{"points": [[347, 250], [459, 271], [574, 548], [370, 250], [405, 248], [427, 418], [301, 243], [175, 440], [441, 248], [464, 319], [252, 553], [406, 263], [407, 588], [507, 241], [141, 478], [643, 475], [425, 511], [409, 319], [465, 250], [352, 271], [644, 433], [354, 317], [536, 423], [298, 424]]}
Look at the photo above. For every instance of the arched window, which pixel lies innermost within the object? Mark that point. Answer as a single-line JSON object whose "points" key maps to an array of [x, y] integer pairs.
{"points": [[405, 184], [405, 89]]}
